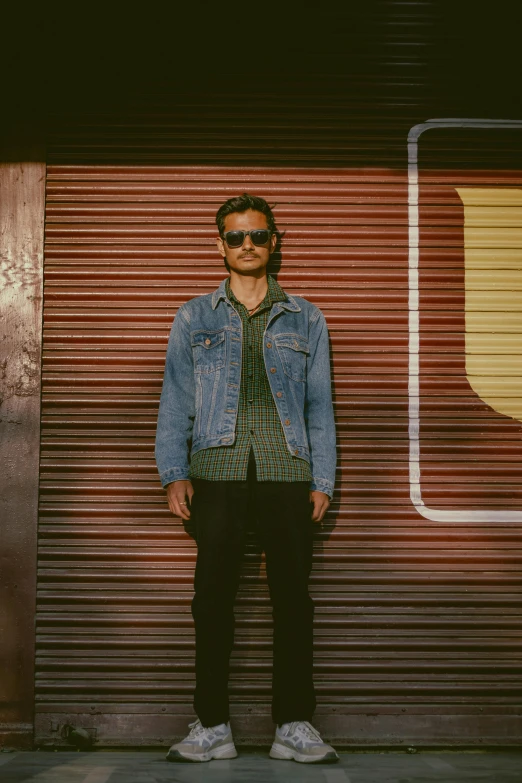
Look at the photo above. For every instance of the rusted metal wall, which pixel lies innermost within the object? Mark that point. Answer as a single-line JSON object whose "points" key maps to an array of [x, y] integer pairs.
{"points": [[22, 195], [418, 614]]}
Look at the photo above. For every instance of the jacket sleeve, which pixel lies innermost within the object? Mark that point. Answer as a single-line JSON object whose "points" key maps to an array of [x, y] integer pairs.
{"points": [[177, 404], [319, 416]]}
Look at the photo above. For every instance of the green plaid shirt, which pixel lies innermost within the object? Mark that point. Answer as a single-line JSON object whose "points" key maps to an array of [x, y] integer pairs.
{"points": [[258, 424]]}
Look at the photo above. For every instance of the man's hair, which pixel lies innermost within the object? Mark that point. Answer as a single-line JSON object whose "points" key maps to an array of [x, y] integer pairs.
{"points": [[241, 204]]}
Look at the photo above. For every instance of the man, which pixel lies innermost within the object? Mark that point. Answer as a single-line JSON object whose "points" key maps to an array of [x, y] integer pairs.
{"points": [[247, 394]]}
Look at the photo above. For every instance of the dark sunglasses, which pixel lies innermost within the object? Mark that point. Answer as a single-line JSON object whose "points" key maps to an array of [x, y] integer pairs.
{"points": [[259, 236]]}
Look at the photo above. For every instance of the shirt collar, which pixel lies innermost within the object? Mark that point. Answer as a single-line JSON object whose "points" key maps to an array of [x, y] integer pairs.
{"points": [[274, 294]]}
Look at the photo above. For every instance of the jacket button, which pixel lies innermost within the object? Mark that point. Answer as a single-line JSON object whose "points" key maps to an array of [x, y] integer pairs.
{"points": [[207, 341], [269, 345], [272, 369], [296, 452], [279, 394], [287, 422]]}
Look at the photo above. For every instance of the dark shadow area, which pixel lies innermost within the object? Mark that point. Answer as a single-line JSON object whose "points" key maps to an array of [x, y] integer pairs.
{"points": [[398, 60]]}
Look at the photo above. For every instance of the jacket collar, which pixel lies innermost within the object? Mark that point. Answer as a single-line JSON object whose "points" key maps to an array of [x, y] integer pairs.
{"points": [[221, 293]]}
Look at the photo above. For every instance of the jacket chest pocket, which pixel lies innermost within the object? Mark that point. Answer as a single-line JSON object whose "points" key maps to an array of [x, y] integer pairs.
{"points": [[293, 351], [209, 351]]}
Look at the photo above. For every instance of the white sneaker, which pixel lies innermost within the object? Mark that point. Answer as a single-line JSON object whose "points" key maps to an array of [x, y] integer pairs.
{"points": [[204, 744], [301, 742]]}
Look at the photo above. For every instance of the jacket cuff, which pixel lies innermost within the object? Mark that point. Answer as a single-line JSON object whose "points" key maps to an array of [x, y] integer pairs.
{"points": [[322, 485], [173, 474]]}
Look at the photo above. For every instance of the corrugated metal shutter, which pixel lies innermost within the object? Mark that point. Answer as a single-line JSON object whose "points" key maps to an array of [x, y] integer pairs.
{"points": [[417, 621]]}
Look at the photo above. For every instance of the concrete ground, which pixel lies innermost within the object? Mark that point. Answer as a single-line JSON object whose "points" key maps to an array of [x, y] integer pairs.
{"points": [[150, 767]]}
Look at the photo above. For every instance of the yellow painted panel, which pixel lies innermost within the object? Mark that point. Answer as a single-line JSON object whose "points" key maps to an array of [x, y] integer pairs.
{"points": [[494, 238], [496, 377], [504, 323], [495, 217], [499, 365], [491, 197], [493, 301], [488, 343], [494, 280], [507, 258]]}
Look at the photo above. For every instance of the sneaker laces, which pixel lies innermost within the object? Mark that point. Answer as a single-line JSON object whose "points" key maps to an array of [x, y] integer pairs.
{"points": [[307, 729], [195, 729]]}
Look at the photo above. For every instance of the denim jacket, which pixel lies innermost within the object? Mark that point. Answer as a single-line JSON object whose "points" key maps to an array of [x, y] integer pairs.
{"points": [[200, 396]]}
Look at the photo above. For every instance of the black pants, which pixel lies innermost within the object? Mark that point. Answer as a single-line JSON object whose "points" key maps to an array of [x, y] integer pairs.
{"points": [[281, 513]]}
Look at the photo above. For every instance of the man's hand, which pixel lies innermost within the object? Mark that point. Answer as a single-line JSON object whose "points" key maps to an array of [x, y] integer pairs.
{"points": [[320, 501], [179, 493]]}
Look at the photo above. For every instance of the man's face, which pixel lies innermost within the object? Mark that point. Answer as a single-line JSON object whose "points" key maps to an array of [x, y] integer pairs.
{"points": [[249, 259]]}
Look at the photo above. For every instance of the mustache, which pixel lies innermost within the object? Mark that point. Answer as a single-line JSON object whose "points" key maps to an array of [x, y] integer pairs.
{"points": [[255, 255]]}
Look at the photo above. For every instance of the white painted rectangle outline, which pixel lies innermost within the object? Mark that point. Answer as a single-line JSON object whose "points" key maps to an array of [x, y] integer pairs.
{"points": [[436, 515]]}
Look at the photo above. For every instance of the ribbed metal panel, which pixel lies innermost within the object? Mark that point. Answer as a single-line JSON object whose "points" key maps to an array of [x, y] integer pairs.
{"points": [[418, 623]]}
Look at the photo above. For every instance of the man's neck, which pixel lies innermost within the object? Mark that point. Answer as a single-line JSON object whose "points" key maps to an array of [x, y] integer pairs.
{"points": [[247, 289]]}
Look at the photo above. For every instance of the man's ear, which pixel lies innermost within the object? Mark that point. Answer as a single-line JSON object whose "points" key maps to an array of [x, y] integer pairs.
{"points": [[221, 246], [273, 242]]}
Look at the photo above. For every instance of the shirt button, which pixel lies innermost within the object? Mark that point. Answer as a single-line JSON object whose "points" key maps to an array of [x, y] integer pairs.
{"points": [[272, 369], [207, 341], [251, 432], [287, 422], [279, 394], [269, 345]]}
